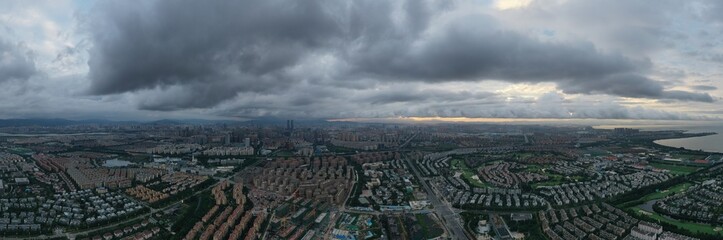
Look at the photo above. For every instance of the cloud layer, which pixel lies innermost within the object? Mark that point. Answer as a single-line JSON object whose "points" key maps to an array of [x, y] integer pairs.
{"points": [[192, 54], [16, 62], [357, 59]]}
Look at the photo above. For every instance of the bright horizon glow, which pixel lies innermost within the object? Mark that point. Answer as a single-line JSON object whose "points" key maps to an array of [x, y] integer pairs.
{"points": [[590, 121], [511, 4]]}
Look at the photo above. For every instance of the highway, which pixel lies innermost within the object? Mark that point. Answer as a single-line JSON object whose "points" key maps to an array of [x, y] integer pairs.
{"points": [[407, 142], [449, 218]]}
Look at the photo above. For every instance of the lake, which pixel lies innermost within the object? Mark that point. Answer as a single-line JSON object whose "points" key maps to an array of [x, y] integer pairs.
{"points": [[116, 163], [710, 143]]}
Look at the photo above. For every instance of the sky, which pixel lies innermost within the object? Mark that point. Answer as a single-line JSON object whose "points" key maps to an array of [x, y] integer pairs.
{"points": [[362, 59]]}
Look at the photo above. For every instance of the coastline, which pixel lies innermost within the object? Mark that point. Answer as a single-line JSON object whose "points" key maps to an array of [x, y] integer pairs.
{"points": [[687, 136]]}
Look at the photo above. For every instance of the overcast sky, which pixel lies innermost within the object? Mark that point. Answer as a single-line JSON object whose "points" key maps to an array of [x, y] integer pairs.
{"points": [[140, 60]]}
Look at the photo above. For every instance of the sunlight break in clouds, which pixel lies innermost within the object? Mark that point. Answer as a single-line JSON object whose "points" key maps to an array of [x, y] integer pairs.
{"points": [[509, 4]]}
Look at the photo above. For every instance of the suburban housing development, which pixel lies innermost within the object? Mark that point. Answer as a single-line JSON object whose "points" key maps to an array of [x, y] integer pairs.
{"points": [[284, 181]]}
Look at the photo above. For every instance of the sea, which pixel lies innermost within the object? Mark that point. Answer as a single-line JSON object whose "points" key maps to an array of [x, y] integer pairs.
{"points": [[710, 143]]}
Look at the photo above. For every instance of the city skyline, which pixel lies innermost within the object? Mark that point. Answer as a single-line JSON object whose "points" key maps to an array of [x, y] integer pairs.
{"points": [[520, 59], [339, 180]]}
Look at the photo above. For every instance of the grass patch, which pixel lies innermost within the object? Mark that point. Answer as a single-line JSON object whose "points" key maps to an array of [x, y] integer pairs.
{"points": [[554, 179], [534, 168], [670, 191], [524, 155], [284, 153], [656, 195], [675, 169], [430, 228], [468, 173], [20, 151], [339, 149], [693, 227], [195, 208]]}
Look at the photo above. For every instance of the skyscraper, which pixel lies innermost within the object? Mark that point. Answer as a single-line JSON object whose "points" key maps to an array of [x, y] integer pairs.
{"points": [[290, 125]]}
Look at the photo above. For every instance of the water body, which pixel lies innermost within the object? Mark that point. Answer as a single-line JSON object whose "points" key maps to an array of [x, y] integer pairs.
{"points": [[165, 159], [116, 163], [710, 143], [648, 206]]}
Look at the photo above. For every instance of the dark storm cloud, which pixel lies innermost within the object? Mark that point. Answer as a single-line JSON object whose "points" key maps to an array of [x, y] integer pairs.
{"points": [[689, 96], [197, 54], [191, 95], [704, 87], [419, 96], [468, 52], [631, 85], [475, 53], [548, 106], [145, 45], [16, 62]]}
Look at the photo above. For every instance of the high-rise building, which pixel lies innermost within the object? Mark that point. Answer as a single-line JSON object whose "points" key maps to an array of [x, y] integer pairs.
{"points": [[290, 125]]}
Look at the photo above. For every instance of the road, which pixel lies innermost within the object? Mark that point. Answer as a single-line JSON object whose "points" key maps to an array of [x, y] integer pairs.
{"points": [[407, 142], [449, 218]]}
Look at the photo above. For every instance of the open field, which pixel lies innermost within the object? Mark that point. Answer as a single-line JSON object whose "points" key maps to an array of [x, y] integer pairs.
{"points": [[524, 155], [534, 168], [468, 173], [661, 193], [664, 193], [676, 169], [555, 179], [693, 227], [430, 229]]}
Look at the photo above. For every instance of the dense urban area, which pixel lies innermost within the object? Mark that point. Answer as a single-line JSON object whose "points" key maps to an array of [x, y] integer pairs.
{"points": [[343, 180]]}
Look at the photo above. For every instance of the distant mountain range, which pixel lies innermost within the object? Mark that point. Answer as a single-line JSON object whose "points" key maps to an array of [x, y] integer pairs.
{"points": [[35, 122]]}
